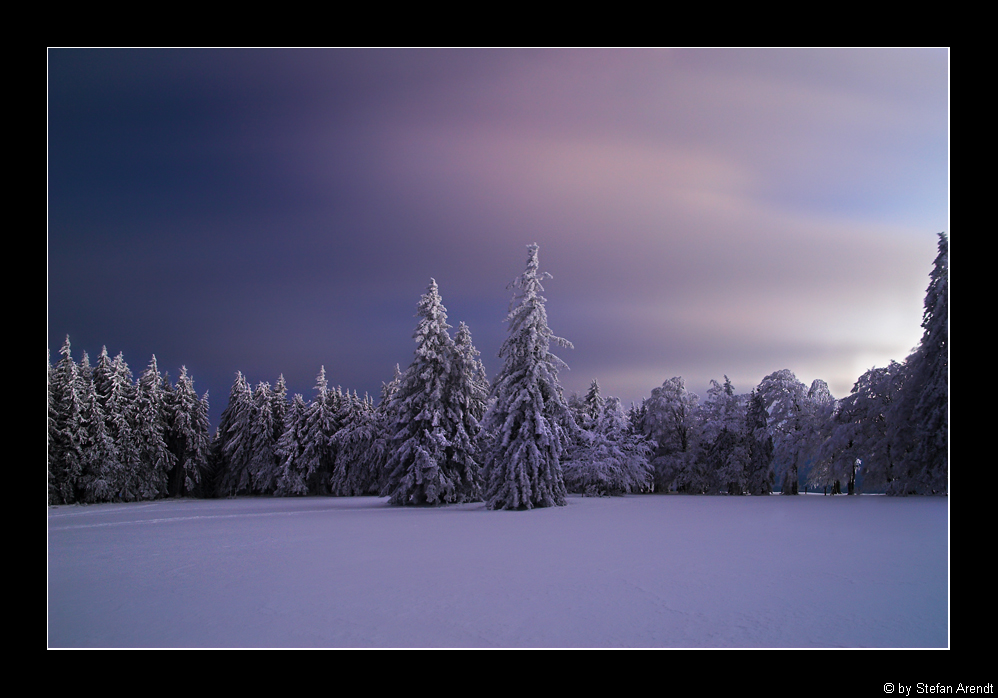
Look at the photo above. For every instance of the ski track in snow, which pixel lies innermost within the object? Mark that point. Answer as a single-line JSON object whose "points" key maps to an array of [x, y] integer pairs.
{"points": [[636, 571]]}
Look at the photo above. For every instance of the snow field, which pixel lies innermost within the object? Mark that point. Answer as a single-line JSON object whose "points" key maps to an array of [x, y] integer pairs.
{"points": [[634, 571]]}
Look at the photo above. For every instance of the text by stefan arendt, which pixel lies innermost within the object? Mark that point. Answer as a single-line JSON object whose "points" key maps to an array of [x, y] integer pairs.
{"points": [[923, 688]]}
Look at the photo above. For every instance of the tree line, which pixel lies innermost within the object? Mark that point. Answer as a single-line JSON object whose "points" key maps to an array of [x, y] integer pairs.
{"points": [[443, 433]]}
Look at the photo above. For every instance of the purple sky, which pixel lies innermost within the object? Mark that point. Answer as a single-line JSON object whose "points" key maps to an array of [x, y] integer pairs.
{"points": [[703, 212]]}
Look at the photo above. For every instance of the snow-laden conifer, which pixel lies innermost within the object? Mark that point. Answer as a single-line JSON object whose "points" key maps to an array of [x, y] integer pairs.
{"points": [[593, 405], [385, 418], [318, 456], [263, 444], [432, 456], [919, 421], [155, 458], [529, 418], [101, 471], [611, 459], [270, 407], [233, 475], [473, 385], [359, 446], [65, 435], [467, 400], [189, 437], [117, 393], [293, 472]]}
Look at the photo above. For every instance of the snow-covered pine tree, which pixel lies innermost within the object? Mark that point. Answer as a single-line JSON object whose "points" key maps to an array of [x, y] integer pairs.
{"points": [[188, 436], [102, 377], [467, 400], [473, 383], [202, 427], [155, 458], [279, 405], [233, 475], [318, 456], [919, 420], [529, 418], [52, 431], [65, 433], [359, 447], [270, 410], [430, 461], [85, 371], [611, 459], [293, 472], [263, 444], [385, 417], [116, 392], [594, 405], [101, 470]]}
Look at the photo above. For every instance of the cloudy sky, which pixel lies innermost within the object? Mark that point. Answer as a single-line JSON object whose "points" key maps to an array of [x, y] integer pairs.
{"points": [[702, 212]]}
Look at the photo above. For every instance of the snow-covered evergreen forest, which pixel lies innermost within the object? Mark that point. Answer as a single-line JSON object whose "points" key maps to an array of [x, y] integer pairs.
{"points": [[442, 432]]}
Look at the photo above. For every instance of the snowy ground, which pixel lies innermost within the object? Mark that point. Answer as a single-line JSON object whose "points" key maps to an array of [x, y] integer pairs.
{"points": [[638, 571]]}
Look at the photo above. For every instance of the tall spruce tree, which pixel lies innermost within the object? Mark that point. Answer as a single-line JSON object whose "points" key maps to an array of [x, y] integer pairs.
{"points": [[530, 421]]}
